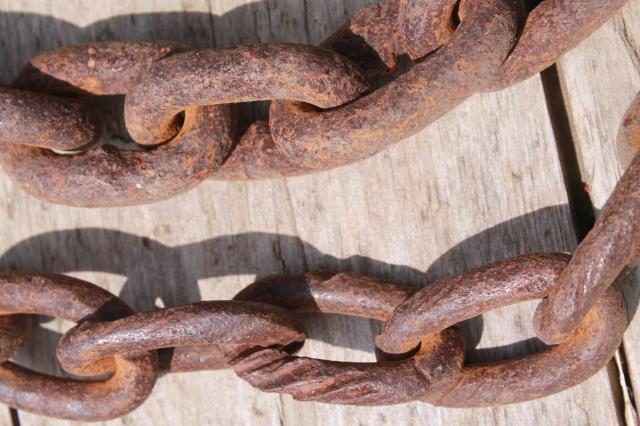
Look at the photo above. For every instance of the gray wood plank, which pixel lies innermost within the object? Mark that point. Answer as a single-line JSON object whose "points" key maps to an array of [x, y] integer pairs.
{"points": [[5, 417], [482, 184]]}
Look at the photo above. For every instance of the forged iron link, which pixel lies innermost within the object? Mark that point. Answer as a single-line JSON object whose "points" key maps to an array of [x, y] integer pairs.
{"points": [[326, 111], [134, 375], [612, 245]]}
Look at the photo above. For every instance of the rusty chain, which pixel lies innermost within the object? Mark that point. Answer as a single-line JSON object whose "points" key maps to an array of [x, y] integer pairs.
{"points": [[331, 105], [421, 349], [394, 68]]}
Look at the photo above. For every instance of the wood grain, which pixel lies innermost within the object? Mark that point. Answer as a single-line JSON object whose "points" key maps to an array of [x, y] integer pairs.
{"points": [[5, 417], [482, 184], [599, 80]]}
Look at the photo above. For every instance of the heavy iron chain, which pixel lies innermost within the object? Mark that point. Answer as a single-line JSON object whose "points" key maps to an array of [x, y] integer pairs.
{"points": [[325, 113], [332, 105], [421, 348]]}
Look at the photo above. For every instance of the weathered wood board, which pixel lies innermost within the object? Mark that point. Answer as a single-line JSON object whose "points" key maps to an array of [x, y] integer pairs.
{"points": [[5, 417], [600, 79], [482, 184]]}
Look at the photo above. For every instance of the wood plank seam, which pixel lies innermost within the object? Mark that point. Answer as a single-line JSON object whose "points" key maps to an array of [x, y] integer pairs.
{"points": [[579, 201]]}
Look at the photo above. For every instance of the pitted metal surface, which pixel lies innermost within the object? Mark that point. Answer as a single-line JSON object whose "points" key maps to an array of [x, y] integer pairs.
{"points": [[331, 105], [327, 111]]}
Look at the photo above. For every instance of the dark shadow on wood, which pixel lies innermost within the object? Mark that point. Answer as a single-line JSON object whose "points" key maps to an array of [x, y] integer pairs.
{"points": [[15, 418], [582, 209]]}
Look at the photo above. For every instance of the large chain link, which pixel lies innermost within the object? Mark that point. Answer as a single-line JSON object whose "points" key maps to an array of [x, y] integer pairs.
{"points": [[421, 347], [332, 105]]}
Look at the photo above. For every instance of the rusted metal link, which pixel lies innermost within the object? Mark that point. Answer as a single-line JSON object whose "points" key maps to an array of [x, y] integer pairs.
{"points": [[612, 245], [231, 326], [324, 139], [590, 347], [47, 121], [75, 300], [434, 367], [222, 76], [109, 176], [467, 295], [101, 68]]}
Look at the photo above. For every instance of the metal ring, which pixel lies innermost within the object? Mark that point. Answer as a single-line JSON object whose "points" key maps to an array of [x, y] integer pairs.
{"points": [[587, 351], [470, 294], [223, 76], [612, 245], [109, 176], [224, 328], [432, 368], [75, 300], [323, 139]]}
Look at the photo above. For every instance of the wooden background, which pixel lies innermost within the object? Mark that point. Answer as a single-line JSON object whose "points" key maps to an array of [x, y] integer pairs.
{"points": [[498, 177]]}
